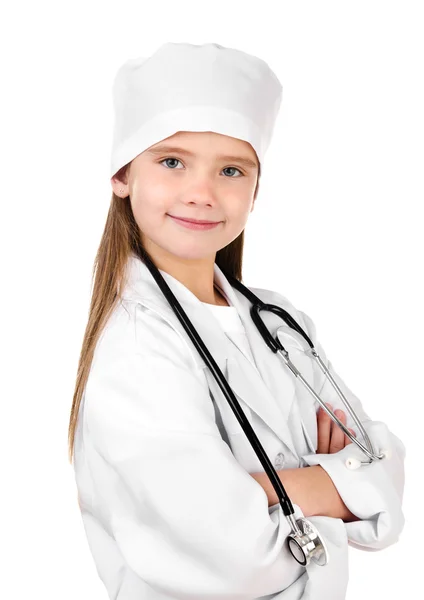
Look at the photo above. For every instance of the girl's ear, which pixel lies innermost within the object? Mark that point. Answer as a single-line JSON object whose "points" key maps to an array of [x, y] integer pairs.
{"points": [[119, 187], [119, 182]]}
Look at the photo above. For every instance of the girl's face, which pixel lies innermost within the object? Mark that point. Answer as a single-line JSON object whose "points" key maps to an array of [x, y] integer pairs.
{"points": [[199, 175]]}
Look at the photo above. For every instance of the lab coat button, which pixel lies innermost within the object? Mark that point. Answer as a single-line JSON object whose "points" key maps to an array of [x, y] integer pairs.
{"points": [[279, 460]]}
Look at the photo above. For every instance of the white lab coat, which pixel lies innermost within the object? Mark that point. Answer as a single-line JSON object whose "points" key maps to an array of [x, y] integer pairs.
{"points": [[162, 464]]}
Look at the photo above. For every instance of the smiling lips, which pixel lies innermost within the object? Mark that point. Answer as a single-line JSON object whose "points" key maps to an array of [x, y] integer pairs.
{"points": [[193, 220], [193, 224]]}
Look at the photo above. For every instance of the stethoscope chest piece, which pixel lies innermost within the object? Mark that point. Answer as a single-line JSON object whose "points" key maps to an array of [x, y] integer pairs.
{"points": [[307, 545]]}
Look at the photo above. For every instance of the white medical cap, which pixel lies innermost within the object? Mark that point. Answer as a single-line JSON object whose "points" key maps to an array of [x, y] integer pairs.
{"points": [[189, 87]]}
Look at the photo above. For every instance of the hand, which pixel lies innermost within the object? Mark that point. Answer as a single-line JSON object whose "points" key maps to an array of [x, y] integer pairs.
{"points": [[331, 438]]}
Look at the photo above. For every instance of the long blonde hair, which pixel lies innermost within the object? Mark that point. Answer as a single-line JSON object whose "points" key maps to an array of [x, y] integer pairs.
{"points": [[121, 237]]}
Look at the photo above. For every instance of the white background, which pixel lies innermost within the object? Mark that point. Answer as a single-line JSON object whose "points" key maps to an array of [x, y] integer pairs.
{"points": [[337, 228]]}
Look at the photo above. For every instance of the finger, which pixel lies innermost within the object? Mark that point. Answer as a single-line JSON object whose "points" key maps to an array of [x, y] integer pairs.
{"points": [[337, 441], [324, 430], [348, 440]]}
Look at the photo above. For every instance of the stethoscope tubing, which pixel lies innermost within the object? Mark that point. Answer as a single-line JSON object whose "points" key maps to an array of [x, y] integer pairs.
{"points": [[276, 346], [276, 482]]}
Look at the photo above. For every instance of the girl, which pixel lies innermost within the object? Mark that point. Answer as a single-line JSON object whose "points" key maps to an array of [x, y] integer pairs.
{"points": [[174, 500]]}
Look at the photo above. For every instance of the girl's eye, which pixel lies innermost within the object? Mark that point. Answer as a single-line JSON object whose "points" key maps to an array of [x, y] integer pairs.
{"points": [[178, 161], [166, 159], [234, 169]]}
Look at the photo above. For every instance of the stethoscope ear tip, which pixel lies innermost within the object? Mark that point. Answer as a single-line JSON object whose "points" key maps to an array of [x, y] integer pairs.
{"points": [[353, 463]]}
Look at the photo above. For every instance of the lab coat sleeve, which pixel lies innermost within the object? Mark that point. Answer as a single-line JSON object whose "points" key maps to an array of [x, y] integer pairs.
{"points": [[187, 518], [372, 492]]}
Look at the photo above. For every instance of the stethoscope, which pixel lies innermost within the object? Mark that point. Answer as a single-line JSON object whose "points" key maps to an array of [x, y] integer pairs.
{"points": [[304, 541]]}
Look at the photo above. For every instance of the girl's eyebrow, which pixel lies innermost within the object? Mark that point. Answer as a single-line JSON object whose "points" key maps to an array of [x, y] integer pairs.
{"points": [[247, 162]]}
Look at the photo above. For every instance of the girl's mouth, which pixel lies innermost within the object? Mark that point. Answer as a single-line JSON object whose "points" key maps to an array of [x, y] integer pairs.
{"points": [[193, 225]]}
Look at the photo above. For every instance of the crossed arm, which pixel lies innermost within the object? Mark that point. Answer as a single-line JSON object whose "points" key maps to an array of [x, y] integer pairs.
{"points": [[311, 487]]}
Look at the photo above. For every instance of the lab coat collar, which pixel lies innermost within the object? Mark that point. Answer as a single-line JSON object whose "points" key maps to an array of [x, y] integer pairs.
{"points": [[268, 391]]}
